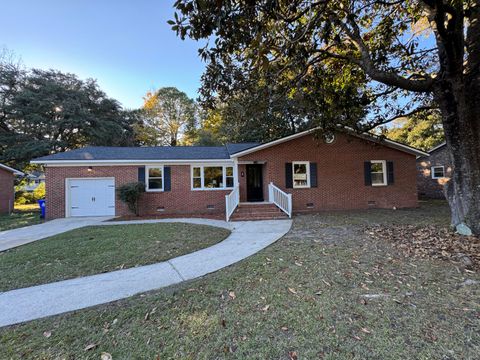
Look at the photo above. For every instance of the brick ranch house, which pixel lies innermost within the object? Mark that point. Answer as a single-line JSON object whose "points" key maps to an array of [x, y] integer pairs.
{"points": [[298, 173], [7, 189], [433, 172]]}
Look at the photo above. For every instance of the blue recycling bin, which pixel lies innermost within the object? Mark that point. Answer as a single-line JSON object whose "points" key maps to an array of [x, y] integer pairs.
{"points": [[41, 203]]}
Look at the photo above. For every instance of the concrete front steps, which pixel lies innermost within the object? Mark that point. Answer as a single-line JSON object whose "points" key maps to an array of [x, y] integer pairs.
{"points": [[257, 211]]}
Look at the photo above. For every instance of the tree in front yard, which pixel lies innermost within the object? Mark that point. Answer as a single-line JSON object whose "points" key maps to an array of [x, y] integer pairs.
{"points": [[130, 194], [412, 56]]}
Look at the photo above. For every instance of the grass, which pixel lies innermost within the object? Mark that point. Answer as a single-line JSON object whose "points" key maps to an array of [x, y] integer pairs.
{"points": [[98, 249], [23, 215], [299, 298]]}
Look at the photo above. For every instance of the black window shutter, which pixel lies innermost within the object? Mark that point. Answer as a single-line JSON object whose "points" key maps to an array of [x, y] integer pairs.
{"points": [[313, 174], [368, 173], [167, 175], [390, 177], [141, 174], [288, 176]]}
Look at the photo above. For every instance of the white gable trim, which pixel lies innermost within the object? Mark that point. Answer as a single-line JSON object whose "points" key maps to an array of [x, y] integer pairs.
{"points": [[365, 136], [14, 171]]}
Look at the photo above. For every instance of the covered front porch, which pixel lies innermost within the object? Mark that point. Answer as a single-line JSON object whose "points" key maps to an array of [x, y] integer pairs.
{"points": [[254, 197]]}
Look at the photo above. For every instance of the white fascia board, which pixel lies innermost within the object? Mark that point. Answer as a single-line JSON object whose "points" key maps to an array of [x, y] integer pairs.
{"points": [[14, 171], [59, 163]]}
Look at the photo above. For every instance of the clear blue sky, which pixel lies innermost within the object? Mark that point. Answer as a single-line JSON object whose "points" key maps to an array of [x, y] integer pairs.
{"points": [[126, 45]]}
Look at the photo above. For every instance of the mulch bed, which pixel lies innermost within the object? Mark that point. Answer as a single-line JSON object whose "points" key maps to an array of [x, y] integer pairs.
{"points": [[431, 242], [169, 216]]}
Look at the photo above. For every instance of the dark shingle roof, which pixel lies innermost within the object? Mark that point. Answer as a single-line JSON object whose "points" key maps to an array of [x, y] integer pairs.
{"points": [[235, 148], [149, 153]]}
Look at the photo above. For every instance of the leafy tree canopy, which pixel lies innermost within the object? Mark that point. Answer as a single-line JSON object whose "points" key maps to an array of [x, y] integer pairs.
{"points": [[422, 131], [169, 116], [42, 112]]}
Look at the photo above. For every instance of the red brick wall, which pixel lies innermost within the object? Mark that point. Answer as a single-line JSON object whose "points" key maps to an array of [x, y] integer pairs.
{"points": [[433, 188], [180, 200], [7, 195], [340, 170]]}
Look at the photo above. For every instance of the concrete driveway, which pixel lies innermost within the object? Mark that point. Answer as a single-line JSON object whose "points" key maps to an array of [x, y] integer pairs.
{"points": [[16, 237]]}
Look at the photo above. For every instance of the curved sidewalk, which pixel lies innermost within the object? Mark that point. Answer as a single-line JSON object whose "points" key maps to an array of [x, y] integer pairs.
{"points": [[35, 302]]}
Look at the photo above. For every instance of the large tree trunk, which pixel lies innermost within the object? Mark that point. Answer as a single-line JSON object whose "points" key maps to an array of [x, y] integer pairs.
{"points": [[459, 100]]}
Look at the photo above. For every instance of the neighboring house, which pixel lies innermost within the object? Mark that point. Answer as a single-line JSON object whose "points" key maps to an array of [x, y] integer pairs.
{"points": [[33, 180], [433, 172], [7, 190], [297, 173]]}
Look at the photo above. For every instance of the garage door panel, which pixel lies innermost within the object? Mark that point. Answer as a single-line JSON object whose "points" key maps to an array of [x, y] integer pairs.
{"points": [[91, 197], [79, 201]]}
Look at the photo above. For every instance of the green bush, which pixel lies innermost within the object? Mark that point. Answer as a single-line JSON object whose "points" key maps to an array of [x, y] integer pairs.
{"points": [[130, 194]]}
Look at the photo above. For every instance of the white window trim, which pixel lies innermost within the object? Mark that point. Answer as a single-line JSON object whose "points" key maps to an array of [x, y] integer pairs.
{"points": [[147, 177], [307, 163], [202, 177], [432, 170], [384, 170]]}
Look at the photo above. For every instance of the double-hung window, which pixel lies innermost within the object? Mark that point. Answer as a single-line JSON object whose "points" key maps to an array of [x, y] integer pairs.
{"points": [[212, 177], [154, 180], [301, 174], [438, 172], [378, 171]]}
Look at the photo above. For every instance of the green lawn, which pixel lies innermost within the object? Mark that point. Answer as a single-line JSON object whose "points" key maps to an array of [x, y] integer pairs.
{"points": [[98, 249], [300, 298], [23, 215]]}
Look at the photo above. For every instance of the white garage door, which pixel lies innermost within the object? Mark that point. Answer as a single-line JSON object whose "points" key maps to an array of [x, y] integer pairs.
{"points": [[91, 197]]}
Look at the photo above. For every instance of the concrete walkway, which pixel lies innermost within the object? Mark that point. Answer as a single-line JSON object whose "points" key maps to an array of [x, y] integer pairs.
{"points": [[35, 302], [16, 237]]}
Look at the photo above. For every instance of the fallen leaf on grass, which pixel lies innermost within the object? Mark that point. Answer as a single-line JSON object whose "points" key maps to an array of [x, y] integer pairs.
{"points": [[105, 356], [292, 355], [284, 328], [431, 242], [90, 347], [265, 308], [232, 295], [47, 334], [292, 290], [366, 331], [327, 283]]}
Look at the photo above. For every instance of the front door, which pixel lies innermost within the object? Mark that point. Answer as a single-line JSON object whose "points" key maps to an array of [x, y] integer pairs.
{"points": [[254, 182]]}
